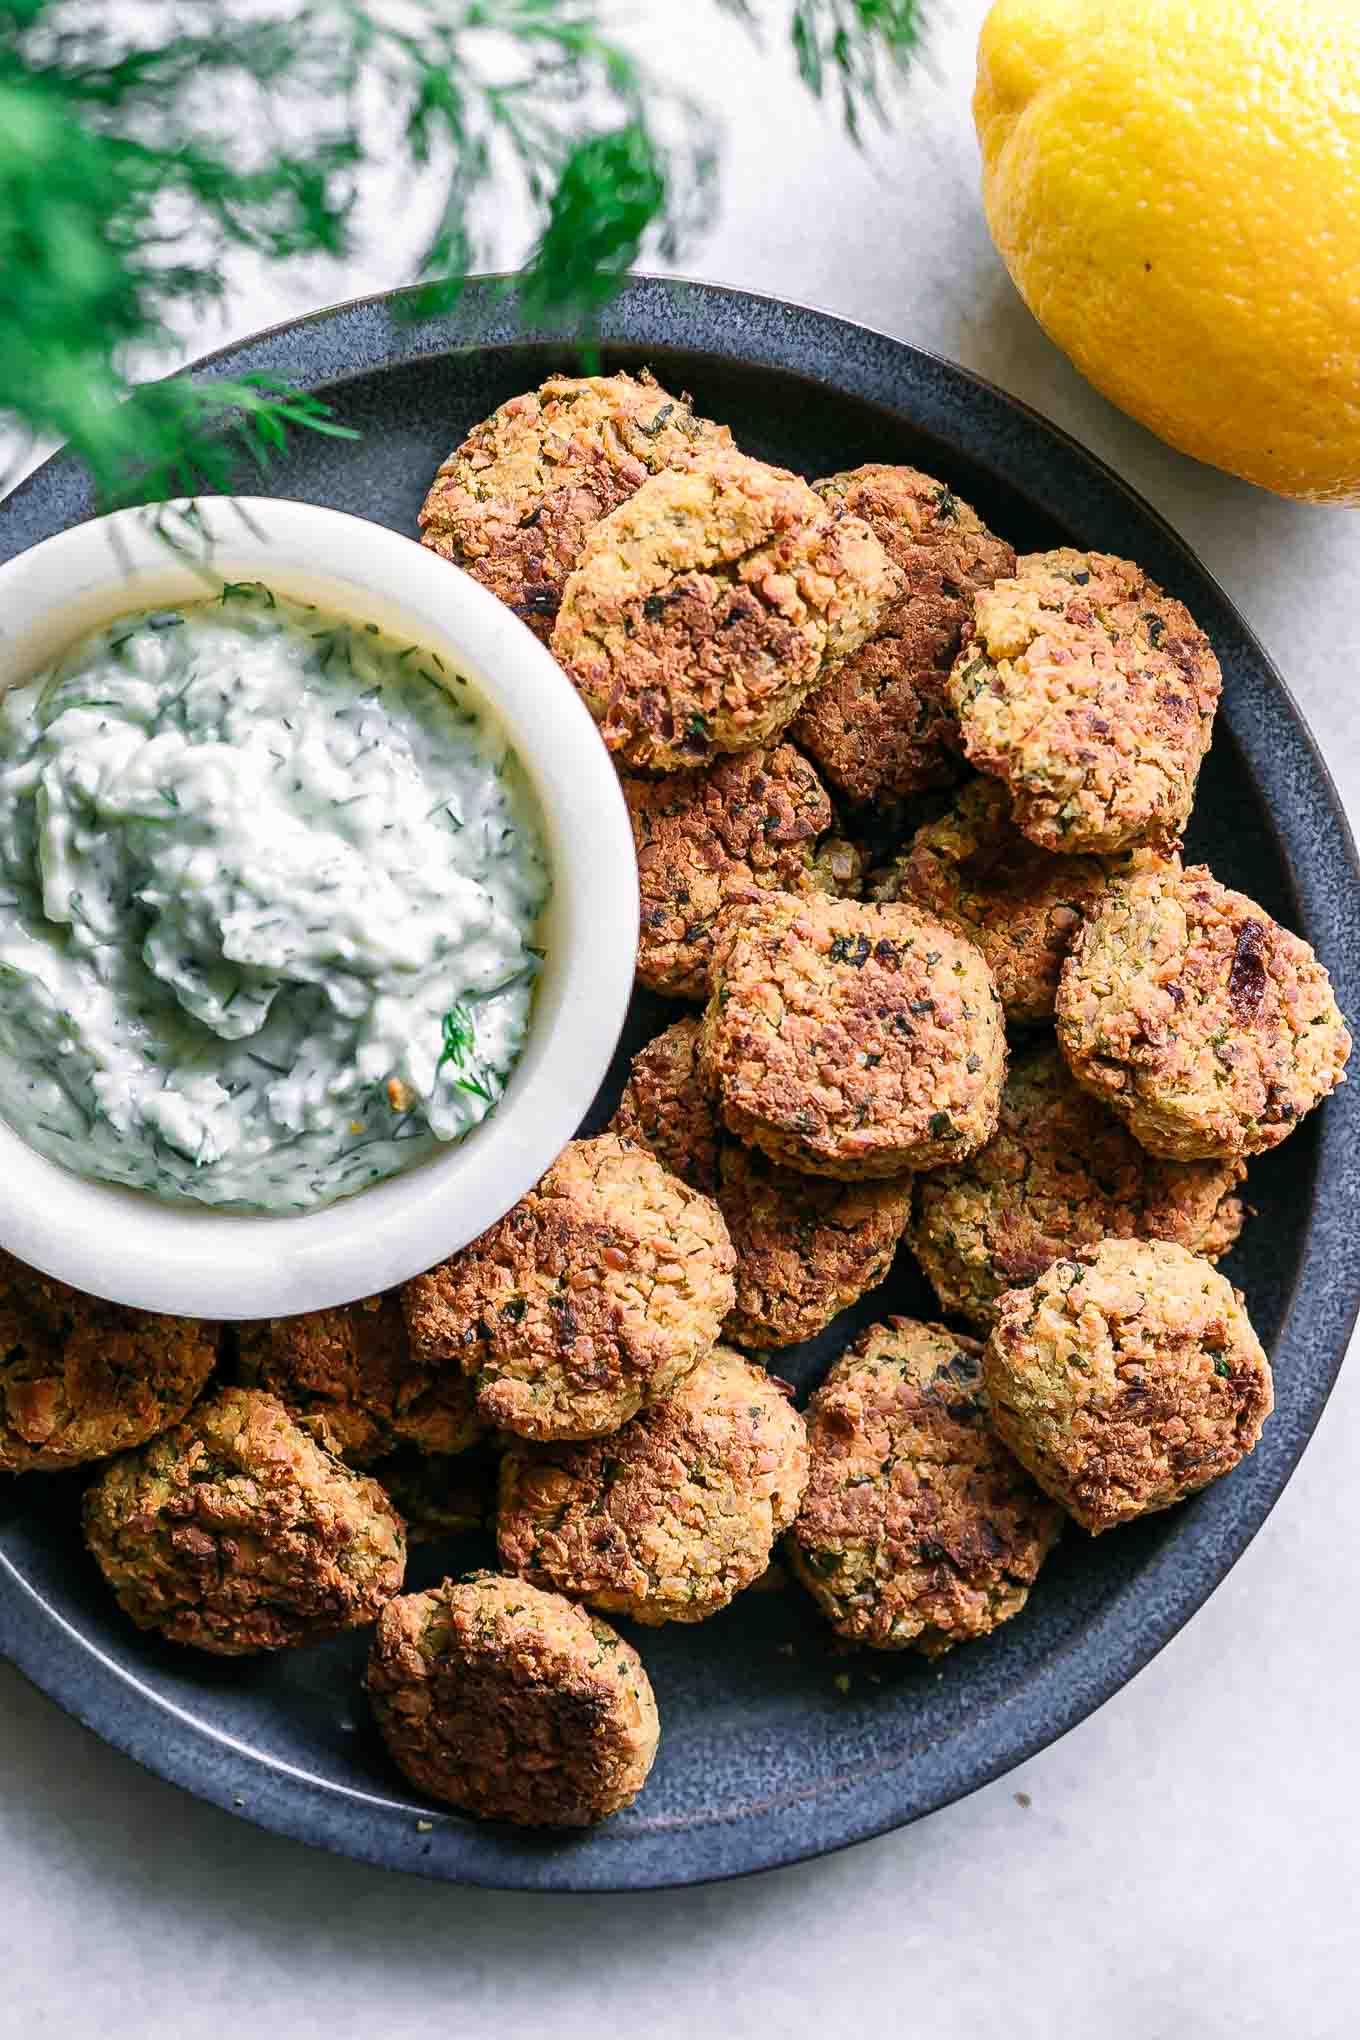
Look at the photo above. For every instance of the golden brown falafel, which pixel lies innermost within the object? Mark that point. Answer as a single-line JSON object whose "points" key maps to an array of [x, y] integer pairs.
{"points": [[702, 609], [80, 1379], [848, 1040], [351, 1371], [512, 1704], [918, 1526], [1059, 1173], [667, 1107], [879, 723], [675, 1514], [807, 1246], [514, 502], [1021, 905], [1126, 1378], [1092, 694], [600, 1291], [236, 1532], [1208, 1028], [710, 840]]}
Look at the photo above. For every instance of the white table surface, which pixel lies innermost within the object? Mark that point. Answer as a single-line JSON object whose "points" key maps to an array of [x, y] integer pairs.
{"points": [[1185, 1864]]}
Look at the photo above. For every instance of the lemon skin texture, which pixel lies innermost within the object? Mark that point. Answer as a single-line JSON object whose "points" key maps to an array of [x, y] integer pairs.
{"points": [[1174, 186]]}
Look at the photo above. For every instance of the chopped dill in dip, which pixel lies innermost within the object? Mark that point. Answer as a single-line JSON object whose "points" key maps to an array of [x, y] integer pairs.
{"points": [[268, 894]]}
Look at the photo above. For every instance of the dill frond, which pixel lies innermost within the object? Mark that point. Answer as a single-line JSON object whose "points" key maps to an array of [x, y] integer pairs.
{"points": [[136, 155]]}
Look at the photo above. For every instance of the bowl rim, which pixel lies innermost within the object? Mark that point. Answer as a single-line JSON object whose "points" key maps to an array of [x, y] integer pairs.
{"points": [[762, 332], [195, 1261]]}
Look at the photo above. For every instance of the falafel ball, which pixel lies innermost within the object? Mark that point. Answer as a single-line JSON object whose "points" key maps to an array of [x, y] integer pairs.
{"points": [[81, 1379], [514, 502], [667, 1107], [237, 1532], [675, 1514], [807, 1246], [1208, 1028], [1021, 905], [1092, 694], [599, 1292], [918, 1526], [879, 723], [512, 1704], [1059, 1173], [1126, 1378], [351, 1370], [848, 1040], [711, 840], [702, 609]]}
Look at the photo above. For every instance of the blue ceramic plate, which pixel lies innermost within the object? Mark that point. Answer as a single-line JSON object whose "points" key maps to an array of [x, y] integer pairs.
{"points": [[773, 1748]]}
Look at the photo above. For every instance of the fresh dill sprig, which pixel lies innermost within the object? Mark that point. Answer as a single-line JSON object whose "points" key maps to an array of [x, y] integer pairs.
{"points": [[137, 154], [459, 1037], [854, 43]]}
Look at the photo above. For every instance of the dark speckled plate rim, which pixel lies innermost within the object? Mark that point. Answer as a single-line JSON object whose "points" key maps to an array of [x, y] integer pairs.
{"points": [[983, 422]]}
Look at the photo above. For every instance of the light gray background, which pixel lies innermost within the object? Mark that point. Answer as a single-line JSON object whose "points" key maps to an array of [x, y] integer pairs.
{"points": [[1183, 1866]]}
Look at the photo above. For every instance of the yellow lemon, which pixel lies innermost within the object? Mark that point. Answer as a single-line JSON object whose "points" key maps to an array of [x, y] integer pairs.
{"points": [[1174, 185]]}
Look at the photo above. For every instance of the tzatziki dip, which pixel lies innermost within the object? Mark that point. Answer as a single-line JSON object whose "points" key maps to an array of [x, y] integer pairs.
{"points": [[269, 887]]}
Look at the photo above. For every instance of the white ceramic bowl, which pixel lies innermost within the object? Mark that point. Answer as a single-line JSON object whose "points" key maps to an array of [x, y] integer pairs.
{"points": [[128, 1246]]}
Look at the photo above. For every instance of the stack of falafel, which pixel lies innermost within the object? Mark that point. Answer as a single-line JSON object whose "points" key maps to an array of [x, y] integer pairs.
{"points": [[784, 673]]}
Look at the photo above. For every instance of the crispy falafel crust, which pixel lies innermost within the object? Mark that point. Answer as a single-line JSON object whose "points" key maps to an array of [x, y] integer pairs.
{"points": [[1021, 905], [514, 502], [849, 1040], [711, 840], [703, 607], [1127, 1378], [351, 1372], [1059, 1173], [1209, 1028], [807, 1246], [512, 1704], [676, 1513], [80, 1379], [1092, 695], [600, 1291], [879, 722], [918, 1526], [667, 1107], [236, 1532]]}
